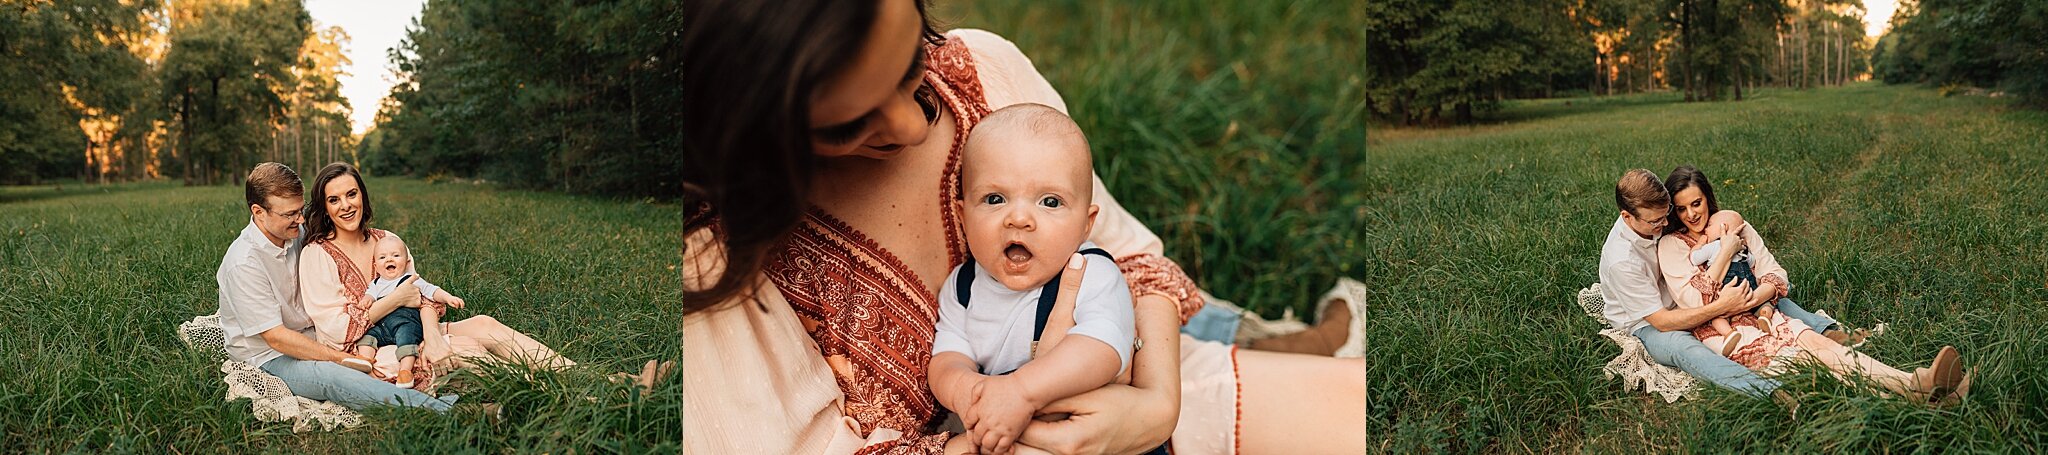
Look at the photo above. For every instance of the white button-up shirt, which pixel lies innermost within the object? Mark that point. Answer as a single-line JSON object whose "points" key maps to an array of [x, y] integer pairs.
{"points": [[1629, 278], [259, 289]]}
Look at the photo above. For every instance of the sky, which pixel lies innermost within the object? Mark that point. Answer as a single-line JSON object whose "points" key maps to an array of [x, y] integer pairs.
{"points": [[1880, 16], [373, 26], [377, 25]]}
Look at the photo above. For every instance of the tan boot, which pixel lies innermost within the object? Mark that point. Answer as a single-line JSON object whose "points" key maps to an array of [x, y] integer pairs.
{"points": [[1850, 339], [1322, 339]]}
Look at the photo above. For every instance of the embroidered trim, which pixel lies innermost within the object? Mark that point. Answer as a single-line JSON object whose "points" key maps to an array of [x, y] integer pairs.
{"points": [[1237, 424], [1149, 274], [865, 306]]}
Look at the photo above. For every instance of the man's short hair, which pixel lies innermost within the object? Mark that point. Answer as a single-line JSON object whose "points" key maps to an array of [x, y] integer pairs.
{"points": [[1639, 189], [272, 179]]}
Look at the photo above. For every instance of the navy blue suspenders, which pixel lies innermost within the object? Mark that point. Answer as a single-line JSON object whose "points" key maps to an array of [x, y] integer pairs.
{"points": [[963, 285], [1046, 295]]}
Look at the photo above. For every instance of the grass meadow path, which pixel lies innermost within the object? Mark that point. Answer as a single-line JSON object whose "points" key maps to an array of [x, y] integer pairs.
{"points": [[1887, 204], [96, 280]]}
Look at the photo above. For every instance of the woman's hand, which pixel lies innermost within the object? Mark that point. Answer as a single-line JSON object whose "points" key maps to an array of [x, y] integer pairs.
{"points": [[1119, 418], [1734, 299], [1732, 239], [410, 293]]}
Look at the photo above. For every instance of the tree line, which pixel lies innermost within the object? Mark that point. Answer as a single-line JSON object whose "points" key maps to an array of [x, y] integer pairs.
{"points": [[571, 96], [1436, 62], [200, 90], [1997, 44]]}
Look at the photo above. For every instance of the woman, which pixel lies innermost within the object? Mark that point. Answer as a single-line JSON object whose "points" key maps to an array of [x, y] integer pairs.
{"points": [[822, 185], [1692, 196], [334, 272]]}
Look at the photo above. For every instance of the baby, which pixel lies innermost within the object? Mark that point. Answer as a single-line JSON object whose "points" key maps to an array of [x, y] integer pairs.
{"points": [[402, 326], [1721, 223], [1028, 189]]}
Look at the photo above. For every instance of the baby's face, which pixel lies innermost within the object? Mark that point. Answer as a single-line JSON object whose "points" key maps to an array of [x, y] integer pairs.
{"points": [[1027, 209], [391, 261]]}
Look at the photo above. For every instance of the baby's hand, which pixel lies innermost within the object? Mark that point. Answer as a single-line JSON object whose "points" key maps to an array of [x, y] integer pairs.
{"points": [[454, 301], [1001, 410]]}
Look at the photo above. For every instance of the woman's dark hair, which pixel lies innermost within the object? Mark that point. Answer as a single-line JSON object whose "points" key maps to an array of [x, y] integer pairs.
{"points": [[749, 68], [1687, 177], [319, 226]]}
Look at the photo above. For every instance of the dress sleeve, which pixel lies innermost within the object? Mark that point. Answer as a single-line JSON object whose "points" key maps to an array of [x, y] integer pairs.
{"points": [[320, 291], [771, 391], [1681, 277], [1763, 264], [1007, 76]]}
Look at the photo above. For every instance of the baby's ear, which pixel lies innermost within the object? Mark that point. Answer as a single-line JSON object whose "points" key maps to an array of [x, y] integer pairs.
{"points": [[1092, 211]]}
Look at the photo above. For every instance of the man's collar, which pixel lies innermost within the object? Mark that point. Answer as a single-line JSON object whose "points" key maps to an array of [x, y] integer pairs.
{"points": [[262, 240], [1622, 229]]}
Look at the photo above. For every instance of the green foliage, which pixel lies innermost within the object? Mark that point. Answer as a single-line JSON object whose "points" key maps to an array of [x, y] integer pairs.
{"points": [[59, 64], [1983, 43], [98, 280], [1886, 204], [1464, 55], [224, 80], [573, 96], [1232, 129]]}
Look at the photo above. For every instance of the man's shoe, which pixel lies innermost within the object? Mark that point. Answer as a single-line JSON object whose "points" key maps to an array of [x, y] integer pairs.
{"points": [[1851, 339]]}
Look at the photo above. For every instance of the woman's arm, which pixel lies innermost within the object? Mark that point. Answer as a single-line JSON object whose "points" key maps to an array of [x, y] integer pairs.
{"points": [[1118, 418], [1770, 274]]}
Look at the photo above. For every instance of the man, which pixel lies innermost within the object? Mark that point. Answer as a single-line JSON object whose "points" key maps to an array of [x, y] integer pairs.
{"points": [[1638, 303], [260, 315]]}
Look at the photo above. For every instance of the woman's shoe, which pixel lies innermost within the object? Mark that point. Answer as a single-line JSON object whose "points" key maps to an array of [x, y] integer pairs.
{"points": [[1962, 390], [1935, 384], [1339, 330], [1947, 370], [1352, 293], [1848, 338]]}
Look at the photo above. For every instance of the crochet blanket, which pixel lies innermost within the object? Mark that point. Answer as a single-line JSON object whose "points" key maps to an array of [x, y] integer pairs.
{"points": [[269, 399]]}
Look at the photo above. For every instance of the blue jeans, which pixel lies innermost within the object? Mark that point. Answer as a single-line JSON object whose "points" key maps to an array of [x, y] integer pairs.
{"points": [[329, 381], [400, 328], [1820, 324], [1678, 349], [1213, 323]]}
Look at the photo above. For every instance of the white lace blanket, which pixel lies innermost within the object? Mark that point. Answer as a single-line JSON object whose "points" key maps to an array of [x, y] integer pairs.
{"points": [[269, 398], [1635, 367]]}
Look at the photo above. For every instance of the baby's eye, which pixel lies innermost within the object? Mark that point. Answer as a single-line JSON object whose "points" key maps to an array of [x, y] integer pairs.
{"points": [[1050, 202], [992, 199]]}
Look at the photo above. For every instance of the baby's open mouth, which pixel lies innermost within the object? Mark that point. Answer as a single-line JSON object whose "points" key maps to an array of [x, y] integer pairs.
{"points": [[1018, 254], [391, 267]]}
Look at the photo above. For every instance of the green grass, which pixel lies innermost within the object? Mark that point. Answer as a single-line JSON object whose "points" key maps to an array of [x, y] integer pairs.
{"points": [[1233, 129], [1887, 204], [96, 279]]}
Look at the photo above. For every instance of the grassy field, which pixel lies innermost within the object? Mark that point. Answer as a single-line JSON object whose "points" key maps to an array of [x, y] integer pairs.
{"points": [[96, 279], [1887, 204], [1233, 129]]}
